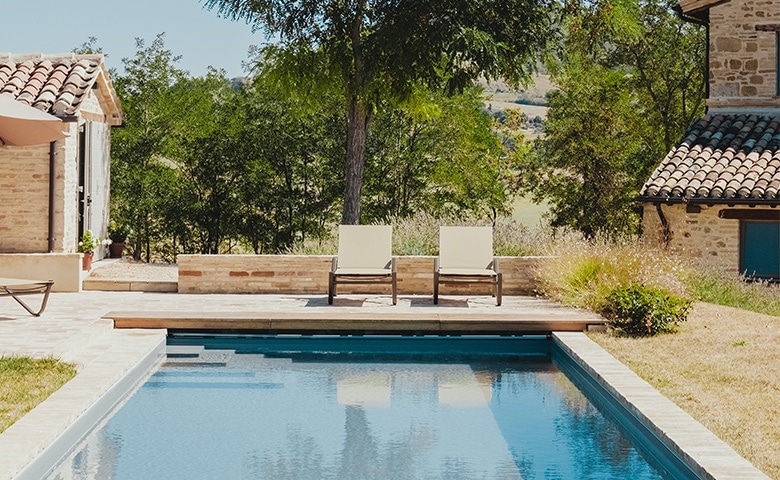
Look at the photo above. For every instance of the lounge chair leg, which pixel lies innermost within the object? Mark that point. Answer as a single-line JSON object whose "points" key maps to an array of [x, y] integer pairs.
{"points": [[435, 288], [331, 287], [499, 287], [395, 288]]}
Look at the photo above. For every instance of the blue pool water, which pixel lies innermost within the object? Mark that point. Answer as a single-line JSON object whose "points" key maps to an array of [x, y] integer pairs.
{"points": [[366, 408]]}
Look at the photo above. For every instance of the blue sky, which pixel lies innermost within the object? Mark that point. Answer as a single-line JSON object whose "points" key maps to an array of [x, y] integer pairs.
{"points": [[201, 37]]}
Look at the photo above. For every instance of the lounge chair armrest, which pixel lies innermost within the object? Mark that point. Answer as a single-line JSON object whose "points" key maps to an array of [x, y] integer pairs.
{"points": [[495, 265], [393, 261], [435, 264], [334, 264]]}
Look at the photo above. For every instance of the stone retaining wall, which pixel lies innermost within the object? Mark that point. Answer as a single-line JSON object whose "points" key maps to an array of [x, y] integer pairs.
{"points": [[63, 268], [289, 274]]}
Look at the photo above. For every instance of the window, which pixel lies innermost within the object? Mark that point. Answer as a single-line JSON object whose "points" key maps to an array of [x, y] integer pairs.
{"points": [[760, 249], [777, 63]]}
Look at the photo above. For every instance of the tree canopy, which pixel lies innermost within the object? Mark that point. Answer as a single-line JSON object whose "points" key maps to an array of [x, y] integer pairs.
{"points": [[631, 79], [376, 53]]}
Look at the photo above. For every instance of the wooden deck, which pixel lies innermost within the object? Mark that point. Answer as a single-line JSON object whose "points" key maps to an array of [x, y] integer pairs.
{"points": [[365, 323]]}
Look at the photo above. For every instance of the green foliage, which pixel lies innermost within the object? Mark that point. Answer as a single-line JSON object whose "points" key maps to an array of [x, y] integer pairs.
{"points": [[376, 54], [637, 310], [583, 273], [88, 242], [118, 232], [582, 164], [631, 81], [448, 161], [142, 178]]}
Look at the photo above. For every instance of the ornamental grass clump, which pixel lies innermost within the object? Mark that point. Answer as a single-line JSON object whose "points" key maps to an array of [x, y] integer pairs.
{"points": [[637, 310], [583, 273]]}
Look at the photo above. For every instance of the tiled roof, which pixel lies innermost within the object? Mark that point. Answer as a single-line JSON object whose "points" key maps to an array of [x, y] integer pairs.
{"points": [[723, 158], [55, 84]]}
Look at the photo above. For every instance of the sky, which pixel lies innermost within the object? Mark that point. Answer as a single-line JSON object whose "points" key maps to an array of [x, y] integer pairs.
{"points": [[200, 36]]}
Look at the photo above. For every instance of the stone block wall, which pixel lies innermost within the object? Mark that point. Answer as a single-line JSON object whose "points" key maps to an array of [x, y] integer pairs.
{"points": [[697, 235], [743, 59], [24, 199], [290, 274]]}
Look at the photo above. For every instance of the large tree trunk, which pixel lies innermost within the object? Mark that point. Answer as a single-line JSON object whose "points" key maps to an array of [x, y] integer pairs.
{"points": [[357, 130], [358, 118]]}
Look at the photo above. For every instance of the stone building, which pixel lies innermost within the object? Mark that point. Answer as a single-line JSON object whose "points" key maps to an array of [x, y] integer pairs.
{"points": [[51, 193], [716, 195]]}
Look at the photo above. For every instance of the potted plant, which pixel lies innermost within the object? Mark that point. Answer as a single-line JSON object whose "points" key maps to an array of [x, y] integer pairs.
{"points": [[117, 233], [87, 246]]}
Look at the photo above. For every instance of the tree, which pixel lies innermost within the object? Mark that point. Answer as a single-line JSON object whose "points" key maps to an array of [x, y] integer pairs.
{"points": [[449, 160], [378, 51], [141, 179], [630, 77]]}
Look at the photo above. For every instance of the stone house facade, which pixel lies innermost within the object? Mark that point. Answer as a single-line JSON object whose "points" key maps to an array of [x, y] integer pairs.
{"points": [[77, 89], [51, 193], [716, 195]]}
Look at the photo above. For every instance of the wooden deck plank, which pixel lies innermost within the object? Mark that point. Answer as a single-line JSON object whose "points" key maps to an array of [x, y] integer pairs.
{"points": [[354, 322]]}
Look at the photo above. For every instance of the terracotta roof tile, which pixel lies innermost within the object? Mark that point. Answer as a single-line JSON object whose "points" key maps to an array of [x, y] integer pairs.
{"points": [[722, 158], [56, 84]]}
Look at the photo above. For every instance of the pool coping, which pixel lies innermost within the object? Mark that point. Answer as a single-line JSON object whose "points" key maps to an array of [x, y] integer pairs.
{"points": [[83, 402]]}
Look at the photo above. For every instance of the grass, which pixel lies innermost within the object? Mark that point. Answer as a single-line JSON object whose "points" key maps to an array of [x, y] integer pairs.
{"points": [[25, 382], [723, 368]]}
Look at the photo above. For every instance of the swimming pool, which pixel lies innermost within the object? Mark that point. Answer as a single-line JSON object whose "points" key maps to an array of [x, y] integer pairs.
{"points": [[362, 407]]}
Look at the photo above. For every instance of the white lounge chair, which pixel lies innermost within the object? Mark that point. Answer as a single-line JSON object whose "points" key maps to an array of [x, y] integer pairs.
{"points": [[365, 257], [466, 257], [16, 287]]}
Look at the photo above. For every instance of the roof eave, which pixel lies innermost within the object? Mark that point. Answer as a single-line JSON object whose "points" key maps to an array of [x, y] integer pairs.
{"points": [[752, 202]]}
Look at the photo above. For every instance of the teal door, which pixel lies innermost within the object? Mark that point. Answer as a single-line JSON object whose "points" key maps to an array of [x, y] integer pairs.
{"points": [[761, 249]]}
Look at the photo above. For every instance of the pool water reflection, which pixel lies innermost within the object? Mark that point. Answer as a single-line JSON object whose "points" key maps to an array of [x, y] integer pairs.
{"points": [[358, 415]]}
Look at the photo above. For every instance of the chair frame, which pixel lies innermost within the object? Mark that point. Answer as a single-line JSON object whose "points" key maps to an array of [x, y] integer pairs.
{"points": [[468, 272], [335, 279], [17, 287], [362, 266]]}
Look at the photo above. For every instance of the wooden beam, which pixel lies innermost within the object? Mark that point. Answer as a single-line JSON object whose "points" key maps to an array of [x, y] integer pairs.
{"points": [[749, 214]]}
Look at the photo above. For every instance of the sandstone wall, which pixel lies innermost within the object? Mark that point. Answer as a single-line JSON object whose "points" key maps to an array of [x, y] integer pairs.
{"points": [[698, 235], [743, 58], [289, 274]]}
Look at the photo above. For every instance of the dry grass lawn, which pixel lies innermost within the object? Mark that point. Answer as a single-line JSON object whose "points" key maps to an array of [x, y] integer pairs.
{"points": [[723, 368]]}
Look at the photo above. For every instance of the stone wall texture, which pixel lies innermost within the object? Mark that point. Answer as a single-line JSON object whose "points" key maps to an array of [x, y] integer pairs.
{"points": [[698, 235], [743, 59], [290, 274]]}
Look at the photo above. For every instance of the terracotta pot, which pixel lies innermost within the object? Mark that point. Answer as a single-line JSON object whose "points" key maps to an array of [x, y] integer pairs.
{"points": [[86, 260], [116, 249]]}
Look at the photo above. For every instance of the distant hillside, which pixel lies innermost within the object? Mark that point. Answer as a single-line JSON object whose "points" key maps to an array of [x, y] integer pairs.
{"points": [[532, 101]]}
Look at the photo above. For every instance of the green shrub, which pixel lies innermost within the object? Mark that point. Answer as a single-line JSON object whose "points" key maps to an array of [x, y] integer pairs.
{"points": [[638, 310]]}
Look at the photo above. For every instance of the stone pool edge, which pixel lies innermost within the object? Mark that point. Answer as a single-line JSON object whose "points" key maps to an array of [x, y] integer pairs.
{"points": [[37, 442], [703, 452]]}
